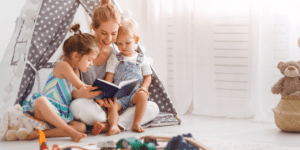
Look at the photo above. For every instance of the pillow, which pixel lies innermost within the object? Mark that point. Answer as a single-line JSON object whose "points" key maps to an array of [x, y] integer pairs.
{"points": [[36, 123], [163, 119]]}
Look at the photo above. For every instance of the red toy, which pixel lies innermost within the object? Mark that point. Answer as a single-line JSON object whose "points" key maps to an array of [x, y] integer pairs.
{"points": [[42, 142]]}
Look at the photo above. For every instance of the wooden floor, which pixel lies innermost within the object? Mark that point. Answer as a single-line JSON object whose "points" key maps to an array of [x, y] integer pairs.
{"points": [[237, 130]]}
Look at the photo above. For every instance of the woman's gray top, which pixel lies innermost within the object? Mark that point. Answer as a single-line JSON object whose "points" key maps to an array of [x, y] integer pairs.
{"points": [[95, 71]]}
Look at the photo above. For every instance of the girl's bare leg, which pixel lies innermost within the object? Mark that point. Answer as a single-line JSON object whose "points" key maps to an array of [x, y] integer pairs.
{"points": [[43, 111], [140, 100], [57, 132], [113, 118]]}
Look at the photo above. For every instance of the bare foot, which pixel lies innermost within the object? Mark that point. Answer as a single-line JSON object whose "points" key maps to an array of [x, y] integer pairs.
{"points": [[77, 136], [97, 127], [33, 135], [137, 128], [114, 130]]}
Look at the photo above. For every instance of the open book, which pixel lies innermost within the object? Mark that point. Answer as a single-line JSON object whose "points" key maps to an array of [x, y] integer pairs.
{"points": [[110, 90]]}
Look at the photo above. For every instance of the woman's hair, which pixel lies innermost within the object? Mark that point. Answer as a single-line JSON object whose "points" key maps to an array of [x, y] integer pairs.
{"points": [[104, 13], [82, 43], [129, 27]]}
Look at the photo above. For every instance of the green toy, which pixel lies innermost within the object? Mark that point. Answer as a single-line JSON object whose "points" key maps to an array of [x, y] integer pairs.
{"points": [[135, 144]]}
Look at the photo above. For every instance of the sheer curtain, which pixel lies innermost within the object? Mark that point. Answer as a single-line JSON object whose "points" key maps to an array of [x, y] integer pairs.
{"points": [[278, 36], [219, 58]]}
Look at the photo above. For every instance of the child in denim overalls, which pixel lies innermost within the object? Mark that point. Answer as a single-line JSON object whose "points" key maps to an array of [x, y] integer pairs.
{"points": [[128, 64]]}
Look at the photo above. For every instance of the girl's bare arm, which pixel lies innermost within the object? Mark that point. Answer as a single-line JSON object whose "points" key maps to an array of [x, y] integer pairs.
{"points": [[65, 71]]}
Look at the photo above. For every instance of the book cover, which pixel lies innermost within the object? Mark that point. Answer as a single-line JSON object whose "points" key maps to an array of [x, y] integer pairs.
{"points": [[110, 90]]}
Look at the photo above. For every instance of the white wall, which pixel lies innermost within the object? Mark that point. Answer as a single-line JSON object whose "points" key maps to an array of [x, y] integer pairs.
{"points": [[10, 10]]}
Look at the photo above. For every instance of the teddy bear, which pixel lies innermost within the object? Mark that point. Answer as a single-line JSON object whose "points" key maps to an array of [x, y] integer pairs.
{"points": [[289, 85], [13, 125]]}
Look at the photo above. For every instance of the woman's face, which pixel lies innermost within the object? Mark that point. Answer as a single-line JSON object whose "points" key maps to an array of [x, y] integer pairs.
{"points": [[106, 33]]}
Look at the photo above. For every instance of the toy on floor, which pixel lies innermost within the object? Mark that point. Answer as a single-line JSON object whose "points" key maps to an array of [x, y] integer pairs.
{"points": [[289, 85], [177, 142], [42, 142], [135, 144], [147, 140], [287, 112], [107, 145], [185, 142], [13, 126]]}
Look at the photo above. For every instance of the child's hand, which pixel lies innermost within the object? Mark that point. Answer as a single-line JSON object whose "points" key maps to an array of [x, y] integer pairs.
{"points": [[109, 102], [99, 102], [143, 89], [86, 92]]}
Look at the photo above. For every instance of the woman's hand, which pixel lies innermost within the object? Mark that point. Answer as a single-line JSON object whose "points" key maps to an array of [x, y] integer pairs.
{"points": [[109, 103], [143, 89], [86, 92]]}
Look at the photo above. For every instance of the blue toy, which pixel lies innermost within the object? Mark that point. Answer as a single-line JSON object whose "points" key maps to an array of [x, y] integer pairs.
{"points": [[178, 143]]}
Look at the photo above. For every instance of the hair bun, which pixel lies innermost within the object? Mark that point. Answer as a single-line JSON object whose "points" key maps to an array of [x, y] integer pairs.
{"points": [[75, 28], [105, 2]]}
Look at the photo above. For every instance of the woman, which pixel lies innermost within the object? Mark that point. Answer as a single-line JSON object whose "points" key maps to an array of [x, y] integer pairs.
{"points": [[105, 22]]}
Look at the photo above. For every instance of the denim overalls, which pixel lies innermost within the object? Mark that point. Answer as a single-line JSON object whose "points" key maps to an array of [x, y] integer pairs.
{"points": [[127, 71]]}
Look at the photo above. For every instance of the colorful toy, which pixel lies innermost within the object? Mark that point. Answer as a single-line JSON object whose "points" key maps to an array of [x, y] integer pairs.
{"points": [[135, 144], [42, 142], [289, 85], [188, 138], [148, 139], [13, 126], [178, 142]]}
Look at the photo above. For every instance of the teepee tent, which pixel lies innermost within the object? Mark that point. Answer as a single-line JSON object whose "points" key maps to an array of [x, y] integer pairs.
{"points": [[36, 45]]}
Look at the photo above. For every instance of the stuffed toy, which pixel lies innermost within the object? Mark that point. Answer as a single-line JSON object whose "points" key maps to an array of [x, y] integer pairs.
{"points": [[289, 85], [13, 126]]}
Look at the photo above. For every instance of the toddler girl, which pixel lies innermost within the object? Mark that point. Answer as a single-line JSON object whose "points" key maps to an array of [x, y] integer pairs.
{"points": [[128, 64], [52, 105]]}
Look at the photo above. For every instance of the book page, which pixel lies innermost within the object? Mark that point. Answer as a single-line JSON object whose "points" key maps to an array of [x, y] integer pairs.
{"points": [[108, 83], [127, 88], [123, 83]]}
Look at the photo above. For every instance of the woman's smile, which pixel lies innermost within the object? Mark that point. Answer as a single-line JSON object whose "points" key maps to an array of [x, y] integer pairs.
{"points": [[106, 43]]}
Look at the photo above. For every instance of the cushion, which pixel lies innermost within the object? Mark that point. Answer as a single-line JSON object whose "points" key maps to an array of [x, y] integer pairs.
{"points": [[36, 123], [163, 119]]}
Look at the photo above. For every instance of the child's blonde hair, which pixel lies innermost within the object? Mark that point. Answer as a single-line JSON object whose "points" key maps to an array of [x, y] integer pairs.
{"points": [[129, 27], [104, 13], [82, 43]]}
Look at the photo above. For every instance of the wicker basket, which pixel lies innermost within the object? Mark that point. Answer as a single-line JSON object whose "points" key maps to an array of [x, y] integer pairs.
{"points": [[287, 114]]}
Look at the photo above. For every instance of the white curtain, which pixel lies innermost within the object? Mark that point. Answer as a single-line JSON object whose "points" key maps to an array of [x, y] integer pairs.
{"points": [[278, 34], [219, 58]]}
